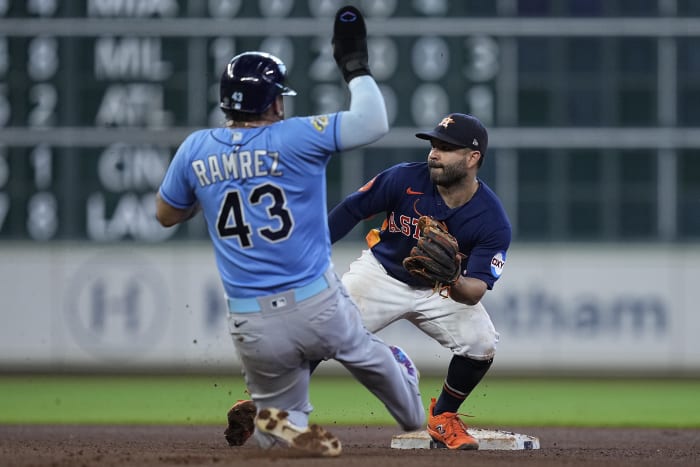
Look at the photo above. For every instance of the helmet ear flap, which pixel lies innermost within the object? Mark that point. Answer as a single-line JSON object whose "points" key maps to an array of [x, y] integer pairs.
{"points": [[251, 81]]}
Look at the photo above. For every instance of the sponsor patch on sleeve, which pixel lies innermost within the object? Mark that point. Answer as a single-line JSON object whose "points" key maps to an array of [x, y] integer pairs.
{"points": [[497, 263], [320, 122]]}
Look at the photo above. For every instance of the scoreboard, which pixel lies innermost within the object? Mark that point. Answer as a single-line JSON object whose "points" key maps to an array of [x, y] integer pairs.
{"points": [[96, 95]]}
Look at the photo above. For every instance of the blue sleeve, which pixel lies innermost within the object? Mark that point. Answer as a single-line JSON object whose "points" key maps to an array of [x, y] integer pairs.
{"points": [[371, 199], [487, 259], [341, 221], [313, 136], [176, 189]]}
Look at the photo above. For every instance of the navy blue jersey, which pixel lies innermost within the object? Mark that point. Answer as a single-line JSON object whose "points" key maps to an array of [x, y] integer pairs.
{"points": [[405, 192]]}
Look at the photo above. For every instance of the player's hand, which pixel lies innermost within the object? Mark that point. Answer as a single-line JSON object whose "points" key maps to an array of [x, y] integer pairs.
{"points": [[350, 43], [436, 258]]}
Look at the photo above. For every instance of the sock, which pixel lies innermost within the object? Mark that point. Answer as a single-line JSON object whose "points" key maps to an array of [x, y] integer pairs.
{"points": [[463, 375]]}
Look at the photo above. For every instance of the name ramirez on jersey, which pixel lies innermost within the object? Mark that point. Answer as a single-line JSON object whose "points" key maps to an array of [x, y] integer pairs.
{"points": [[236, 165]]}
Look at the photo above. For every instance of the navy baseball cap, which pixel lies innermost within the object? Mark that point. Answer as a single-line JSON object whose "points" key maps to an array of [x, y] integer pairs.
{"points": [[465, 131]]}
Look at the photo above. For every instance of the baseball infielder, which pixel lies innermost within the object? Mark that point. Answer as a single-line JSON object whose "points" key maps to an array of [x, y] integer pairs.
{"points": [[396, 278]]}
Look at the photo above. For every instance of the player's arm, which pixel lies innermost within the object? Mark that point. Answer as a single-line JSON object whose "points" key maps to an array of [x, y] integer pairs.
{"points": [[373, 197], [169, 215], [366, 120], [175, 200], [341, 221], [468, 290]]}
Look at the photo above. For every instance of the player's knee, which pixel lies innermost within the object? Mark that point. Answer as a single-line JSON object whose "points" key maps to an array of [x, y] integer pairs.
{"points": [[485, 352], [482, 349]]}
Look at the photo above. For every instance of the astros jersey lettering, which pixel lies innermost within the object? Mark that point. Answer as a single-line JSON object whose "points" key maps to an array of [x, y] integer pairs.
{"points": [[405, 192]]}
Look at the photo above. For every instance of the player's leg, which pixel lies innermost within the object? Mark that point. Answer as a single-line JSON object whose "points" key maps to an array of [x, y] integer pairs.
{"points": [[385, 371], [380, 298], [277, 377], [463, 375], [470, 334]]}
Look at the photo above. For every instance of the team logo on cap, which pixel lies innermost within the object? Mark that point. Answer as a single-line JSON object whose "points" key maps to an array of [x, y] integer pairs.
{"points": [[446, 121], [475, 142]]}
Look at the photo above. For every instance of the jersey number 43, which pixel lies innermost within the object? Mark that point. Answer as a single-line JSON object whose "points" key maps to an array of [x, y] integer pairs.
{"points": [[232, 223]]}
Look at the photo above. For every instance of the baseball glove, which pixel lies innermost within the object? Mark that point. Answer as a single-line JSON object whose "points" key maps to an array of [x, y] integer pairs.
{"points": [[435, 258]]}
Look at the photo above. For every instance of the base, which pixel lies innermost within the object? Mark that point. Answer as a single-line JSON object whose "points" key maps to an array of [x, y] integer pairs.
{"points": [[488, 440]]}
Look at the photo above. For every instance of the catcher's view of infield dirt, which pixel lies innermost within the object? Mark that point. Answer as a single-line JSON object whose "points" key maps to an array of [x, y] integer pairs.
{"points": [[105, 446]]}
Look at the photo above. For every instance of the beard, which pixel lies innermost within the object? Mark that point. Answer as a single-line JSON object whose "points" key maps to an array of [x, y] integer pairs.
{"points": [[447, 175]]}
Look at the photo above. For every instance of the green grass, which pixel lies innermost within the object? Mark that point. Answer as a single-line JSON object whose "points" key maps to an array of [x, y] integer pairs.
{"points": [[496, 402]]}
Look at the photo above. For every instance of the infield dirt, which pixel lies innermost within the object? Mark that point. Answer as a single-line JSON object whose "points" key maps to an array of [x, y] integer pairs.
{"points": [[366, 446]]}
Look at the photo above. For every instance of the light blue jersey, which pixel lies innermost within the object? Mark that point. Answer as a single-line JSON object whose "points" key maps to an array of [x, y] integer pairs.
{"points": [[256, 187]]}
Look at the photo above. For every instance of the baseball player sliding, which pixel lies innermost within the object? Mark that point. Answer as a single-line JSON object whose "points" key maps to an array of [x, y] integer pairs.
{"points": [[260, 183]]}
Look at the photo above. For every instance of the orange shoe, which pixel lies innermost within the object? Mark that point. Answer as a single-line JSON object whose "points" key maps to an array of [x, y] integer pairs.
{"points": [[240, 422], [447, 428]]}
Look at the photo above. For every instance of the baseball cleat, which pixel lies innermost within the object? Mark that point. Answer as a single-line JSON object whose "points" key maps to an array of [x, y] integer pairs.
{"points": [[313, 440], [447, 429], [240, 422]]}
